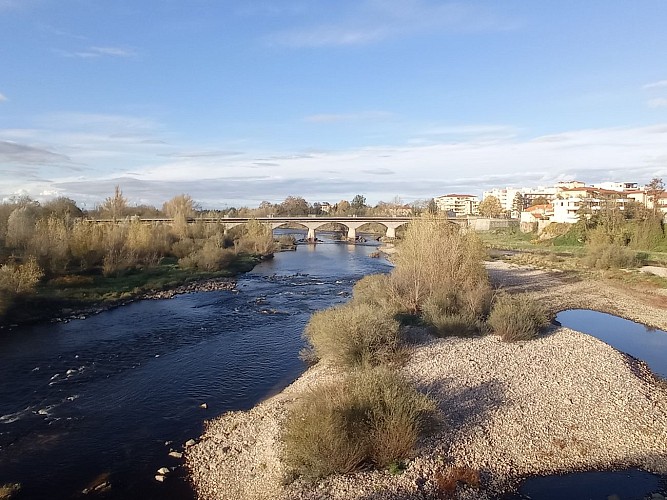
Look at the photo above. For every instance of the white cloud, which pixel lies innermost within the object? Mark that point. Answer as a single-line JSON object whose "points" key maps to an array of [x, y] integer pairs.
{"points": [[96, 52], [659, 102], [156, 172], [656, 85], [2, 97], [375, 20]]}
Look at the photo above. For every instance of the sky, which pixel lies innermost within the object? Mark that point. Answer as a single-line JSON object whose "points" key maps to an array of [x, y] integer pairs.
{"points": [[237, 102]]}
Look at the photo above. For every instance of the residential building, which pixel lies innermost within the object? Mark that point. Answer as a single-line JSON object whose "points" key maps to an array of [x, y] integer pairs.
{"points": [[460, 204], [618, 186], [507, 195]]}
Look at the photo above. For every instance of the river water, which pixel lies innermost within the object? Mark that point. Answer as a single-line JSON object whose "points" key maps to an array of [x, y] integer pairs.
{"points": [[106, 398]]}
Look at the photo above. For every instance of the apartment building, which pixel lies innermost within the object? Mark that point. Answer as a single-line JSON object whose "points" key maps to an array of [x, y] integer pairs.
{"points": [[459, 204]]}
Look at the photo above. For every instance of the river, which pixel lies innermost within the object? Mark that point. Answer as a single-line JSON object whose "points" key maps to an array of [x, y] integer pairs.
{"points": [[107, 398]]}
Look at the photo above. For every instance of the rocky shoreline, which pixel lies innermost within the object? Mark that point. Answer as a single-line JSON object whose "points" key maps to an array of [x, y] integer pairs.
{"points": [[563, 402], [206, 285]]}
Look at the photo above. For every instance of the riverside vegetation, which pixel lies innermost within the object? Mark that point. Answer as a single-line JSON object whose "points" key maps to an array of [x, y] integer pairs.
{"points": [[374, 417], [52, 258]]}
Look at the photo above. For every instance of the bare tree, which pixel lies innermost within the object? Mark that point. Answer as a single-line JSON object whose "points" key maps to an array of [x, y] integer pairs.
{"points": [[654, 191], [115, 206], [180, 205]]}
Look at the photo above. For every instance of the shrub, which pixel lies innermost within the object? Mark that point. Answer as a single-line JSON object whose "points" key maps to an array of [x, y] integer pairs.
{"points": [[609, 256], [210, 257], [87, 244], [436, 257], [517, 317], [50, 244], [19, 279], [354, 335], [257, 238], [446, 322], [370, 418], [375, 290]]}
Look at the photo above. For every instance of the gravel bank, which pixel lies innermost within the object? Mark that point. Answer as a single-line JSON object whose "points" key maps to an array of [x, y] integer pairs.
{"points": [[563, 402]]}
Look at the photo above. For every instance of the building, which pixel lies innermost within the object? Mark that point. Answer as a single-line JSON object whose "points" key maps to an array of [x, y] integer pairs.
{"points": [[507, 195], [617, 186], [460, 204]]}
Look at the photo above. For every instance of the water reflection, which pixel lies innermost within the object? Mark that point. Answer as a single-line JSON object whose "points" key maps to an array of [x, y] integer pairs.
{"points": [[640, 341]]}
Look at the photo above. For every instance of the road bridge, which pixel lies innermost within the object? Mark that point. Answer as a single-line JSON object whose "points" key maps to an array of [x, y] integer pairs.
{"points": [[312, 224]]}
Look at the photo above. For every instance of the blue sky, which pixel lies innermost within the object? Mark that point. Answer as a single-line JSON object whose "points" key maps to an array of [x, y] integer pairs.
{"points": [[239, 102]]}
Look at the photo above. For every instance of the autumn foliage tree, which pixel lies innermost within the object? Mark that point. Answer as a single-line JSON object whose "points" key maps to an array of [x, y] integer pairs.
{"points": [[490, 207]]}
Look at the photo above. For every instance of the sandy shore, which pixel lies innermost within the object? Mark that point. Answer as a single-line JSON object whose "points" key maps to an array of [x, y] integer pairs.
{"points": [[563, 402]]}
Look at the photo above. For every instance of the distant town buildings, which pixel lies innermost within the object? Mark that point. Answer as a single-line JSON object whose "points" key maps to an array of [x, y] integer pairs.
{"points": [[458, 204], [566, 202]]}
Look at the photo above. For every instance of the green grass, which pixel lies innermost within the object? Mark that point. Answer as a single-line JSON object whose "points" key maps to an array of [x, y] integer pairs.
{"points": [[508, 240], [80, 291]]}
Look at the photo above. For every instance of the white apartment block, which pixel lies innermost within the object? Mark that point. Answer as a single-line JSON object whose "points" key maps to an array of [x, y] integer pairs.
{"points": [[459, 204], [506, 195]]}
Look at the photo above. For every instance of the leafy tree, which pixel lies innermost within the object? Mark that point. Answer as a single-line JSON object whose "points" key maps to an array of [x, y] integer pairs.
{"points": [[432, 207], [293, 206], [63, 207], [517, 203], [358, 204], [490, 207]]}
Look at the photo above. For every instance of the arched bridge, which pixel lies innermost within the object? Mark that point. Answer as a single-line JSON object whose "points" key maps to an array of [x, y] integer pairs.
{"points": [[312, 224]]}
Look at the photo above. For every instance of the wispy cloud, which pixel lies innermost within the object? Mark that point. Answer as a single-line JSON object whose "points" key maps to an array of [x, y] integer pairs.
{"points": [[152, 173], [23, 154], [201, 154], [656, 85], [97, 52], [347, 117], [659, 102], [376, 20], [3, 98]]}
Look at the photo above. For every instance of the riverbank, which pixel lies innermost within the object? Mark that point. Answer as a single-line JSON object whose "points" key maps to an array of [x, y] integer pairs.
{"points": [[563, 402], [80, 296]]}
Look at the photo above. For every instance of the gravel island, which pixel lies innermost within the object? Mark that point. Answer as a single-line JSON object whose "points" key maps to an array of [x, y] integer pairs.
{"points": [[563, 402]]}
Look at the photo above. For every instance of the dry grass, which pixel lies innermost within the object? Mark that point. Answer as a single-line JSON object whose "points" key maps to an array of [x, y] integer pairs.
{"points": [[370, 418], [354, 334], [517, 317], [446, 482]]}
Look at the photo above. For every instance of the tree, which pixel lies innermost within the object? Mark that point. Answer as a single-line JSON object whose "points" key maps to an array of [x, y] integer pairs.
{"points": [[115, 206], [293, 206], [342, 207], [432, 207], [654, 191], [540, 200], [180, 205], [517, 203], [358, 204], [63, 207], [490, 207]]}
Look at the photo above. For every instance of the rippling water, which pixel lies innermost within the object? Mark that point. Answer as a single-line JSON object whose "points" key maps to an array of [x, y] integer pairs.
{"points": [[104, 395]]}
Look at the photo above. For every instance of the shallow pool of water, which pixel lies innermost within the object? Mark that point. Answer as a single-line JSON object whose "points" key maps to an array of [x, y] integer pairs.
{"points": [[596, 485], [635, 339]]}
